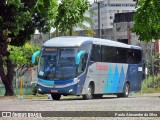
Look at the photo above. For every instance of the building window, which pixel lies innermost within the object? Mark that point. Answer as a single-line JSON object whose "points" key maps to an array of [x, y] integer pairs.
{"points": [[111, 23], [118, 5]]}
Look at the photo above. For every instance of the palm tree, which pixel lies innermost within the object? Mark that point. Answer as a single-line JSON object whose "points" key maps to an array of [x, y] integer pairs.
{"points": [[84, 25]]}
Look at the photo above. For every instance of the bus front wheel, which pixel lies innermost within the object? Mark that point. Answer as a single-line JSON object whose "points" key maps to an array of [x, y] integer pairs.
{"points": [[125, 91], [89, 94], [56, 96]]}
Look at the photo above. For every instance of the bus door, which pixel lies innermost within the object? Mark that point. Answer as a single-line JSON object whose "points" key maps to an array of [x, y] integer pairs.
{"points": [[82, 65]]}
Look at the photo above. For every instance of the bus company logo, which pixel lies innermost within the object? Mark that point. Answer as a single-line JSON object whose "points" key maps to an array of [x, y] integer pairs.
{"points": [[101, 67], [6, 114], [132, 70]]}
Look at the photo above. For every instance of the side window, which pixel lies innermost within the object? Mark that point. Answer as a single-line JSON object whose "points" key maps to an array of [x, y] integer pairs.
{"points": [[96, 53], [84, 58], [113, 54], [42, 63], [130, 57], [122, 55], [83, 62], [85, 47], [105, 51], [134, 56], [109, 54]]}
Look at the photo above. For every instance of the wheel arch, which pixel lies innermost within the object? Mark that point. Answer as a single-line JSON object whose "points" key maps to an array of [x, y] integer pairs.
{"points": [[92, 85], [128, 82]]}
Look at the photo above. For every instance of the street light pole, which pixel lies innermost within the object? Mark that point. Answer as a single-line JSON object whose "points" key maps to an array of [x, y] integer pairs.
{"points": [[152, 62], [99, 20]]}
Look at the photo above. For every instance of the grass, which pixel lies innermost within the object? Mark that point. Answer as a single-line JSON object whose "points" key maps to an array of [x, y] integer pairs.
{"points": [[37, 96], [25, 91], [148, 87]]}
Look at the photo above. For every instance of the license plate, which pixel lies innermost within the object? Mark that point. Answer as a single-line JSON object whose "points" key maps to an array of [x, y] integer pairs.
{"points": [[54, 91]]}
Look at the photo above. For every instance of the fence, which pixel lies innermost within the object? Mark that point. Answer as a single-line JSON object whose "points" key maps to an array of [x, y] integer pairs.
{"points": [[28, 88]]}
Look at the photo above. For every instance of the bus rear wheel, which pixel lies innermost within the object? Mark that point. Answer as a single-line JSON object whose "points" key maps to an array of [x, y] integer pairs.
{"points": [[89, 94], [125, 91], [56, 96]]}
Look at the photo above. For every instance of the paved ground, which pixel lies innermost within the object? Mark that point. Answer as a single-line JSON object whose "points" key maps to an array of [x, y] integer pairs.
{"points": [[145, 102]]}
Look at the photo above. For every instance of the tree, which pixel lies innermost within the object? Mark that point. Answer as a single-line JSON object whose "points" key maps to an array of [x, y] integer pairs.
{"points": [[21, 58], [18, 21], [70, 13], [89, 20], [147, 20]]}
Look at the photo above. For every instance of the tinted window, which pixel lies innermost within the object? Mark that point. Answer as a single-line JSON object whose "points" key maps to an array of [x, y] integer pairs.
{"points": [[109, 54], [96, 53], [134, 56], [115, 54]]}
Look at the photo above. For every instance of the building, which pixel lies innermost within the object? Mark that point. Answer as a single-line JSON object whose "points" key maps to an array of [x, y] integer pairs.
{"points": [[39, 38], [108, 9]]}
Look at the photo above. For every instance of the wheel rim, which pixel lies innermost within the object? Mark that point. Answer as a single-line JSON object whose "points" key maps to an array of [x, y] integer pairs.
{"points": [[127, 90], [89, 92]]}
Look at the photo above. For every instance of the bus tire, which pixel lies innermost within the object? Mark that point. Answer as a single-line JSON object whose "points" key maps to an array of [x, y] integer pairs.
{"points": [[125, 91], [56, 96], [89, 94]]}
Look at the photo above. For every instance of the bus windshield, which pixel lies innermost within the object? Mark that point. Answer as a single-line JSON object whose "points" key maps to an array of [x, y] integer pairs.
{"points": [[57, 63]]}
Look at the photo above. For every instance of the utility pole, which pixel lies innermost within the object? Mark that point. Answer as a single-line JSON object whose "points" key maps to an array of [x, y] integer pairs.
{"points": [[99, 20], [152, 62]]}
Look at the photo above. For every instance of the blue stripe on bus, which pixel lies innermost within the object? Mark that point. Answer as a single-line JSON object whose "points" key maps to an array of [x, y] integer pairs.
{"points": [[114, 82], [54, 82], [46, 82], [62, 82], [108, 80], [121, 81]]}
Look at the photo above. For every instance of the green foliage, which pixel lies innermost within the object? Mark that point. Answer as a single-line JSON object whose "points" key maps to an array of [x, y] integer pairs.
{"points": [[34, 88], [156, 64], [18, 21], [22, 17], [22, 55], [88, 20], [70, 13], [157, 82], [27, 92], [147, 85], [147, 20]]}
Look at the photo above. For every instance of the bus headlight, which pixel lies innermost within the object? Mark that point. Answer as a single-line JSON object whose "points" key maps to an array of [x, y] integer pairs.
{"points": [[39, 89], [71, 90]]}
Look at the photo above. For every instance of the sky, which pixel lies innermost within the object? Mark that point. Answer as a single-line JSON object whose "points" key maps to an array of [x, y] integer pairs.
{"points": [[91, 1]]}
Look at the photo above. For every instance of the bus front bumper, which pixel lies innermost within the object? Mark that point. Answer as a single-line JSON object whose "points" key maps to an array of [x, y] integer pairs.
{"points": [[63, 89], [70, 90]]}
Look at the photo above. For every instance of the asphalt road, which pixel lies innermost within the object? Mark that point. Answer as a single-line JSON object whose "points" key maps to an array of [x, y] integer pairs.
{"points": [[145, 102]]}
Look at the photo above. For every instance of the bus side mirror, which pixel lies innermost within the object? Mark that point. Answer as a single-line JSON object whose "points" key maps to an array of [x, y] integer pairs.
{"points": [[34, 56], [78, 56]]}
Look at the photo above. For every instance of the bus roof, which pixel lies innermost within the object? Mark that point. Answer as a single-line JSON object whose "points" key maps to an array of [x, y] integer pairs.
{"points": [[75, 41]]}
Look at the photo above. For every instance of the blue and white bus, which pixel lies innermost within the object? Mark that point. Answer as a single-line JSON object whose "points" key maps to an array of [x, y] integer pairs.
{"points": [[87, 66]]}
